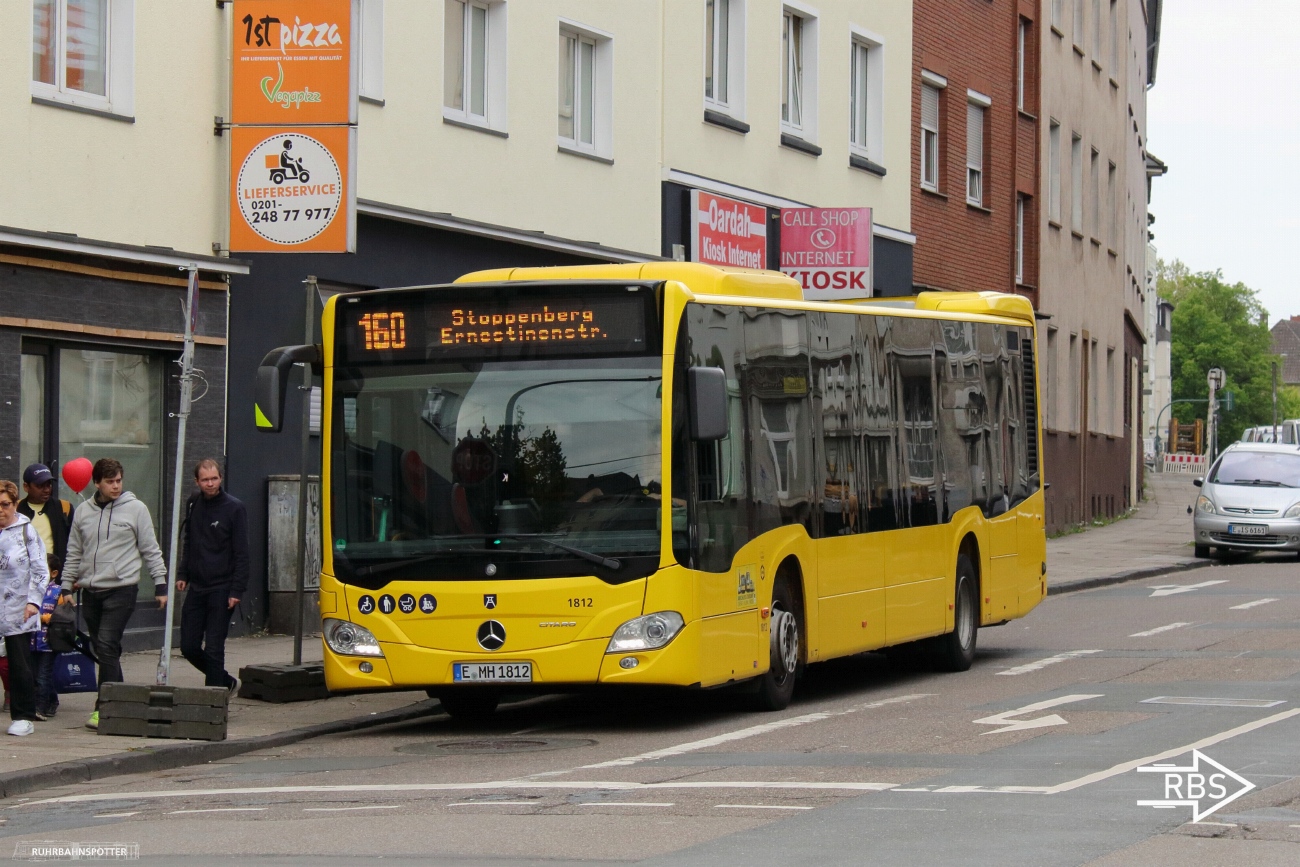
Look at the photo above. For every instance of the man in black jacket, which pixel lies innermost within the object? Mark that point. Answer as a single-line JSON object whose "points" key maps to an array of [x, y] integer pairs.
{"points": [[214, 567], [50, 517]]}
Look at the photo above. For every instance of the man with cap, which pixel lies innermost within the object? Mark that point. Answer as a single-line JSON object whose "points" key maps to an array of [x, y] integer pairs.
{"points": [[51, 518]]}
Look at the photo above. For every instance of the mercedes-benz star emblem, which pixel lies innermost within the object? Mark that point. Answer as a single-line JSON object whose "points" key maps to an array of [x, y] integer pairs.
{"points": [[491, 635]]}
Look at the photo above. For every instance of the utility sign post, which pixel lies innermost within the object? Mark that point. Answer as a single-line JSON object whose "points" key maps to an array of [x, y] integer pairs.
{"points": [[1206, 786]]}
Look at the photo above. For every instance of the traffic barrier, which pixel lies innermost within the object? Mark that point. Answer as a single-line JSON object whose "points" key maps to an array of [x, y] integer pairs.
{"points": [[1188, 464], [189, 712], [282, 682]]}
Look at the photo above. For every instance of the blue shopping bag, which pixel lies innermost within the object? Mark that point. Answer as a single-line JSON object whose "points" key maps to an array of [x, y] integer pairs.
{"points": [[74, 672]]}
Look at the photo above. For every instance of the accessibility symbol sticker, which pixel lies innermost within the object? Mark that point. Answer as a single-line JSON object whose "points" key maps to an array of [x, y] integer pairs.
{"points": [[406, 603], [366, 604], [428, 604], [386, 604]]}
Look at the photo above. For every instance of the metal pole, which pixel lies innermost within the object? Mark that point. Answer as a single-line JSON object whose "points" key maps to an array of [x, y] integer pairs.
{"points": [[1274, 401], [303, 470], [182, 416]]}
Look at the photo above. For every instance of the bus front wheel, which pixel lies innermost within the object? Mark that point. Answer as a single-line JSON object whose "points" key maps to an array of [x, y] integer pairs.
{"points": [[776, 688], [956, 650]]}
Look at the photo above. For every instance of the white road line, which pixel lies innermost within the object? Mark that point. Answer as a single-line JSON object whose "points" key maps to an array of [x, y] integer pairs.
{"points": [[346, 809], [1014, 725], [1043, 663], [750, 732], [1158, 630], [1175, 589], [221, 810], [495, 785], [1125, 767], [624, 804], [116, 815], [494, 804], [757, 807], [1243, 606]]}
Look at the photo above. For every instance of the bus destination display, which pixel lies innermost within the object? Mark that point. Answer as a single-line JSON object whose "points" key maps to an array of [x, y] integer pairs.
{"points": [[493, 326]]}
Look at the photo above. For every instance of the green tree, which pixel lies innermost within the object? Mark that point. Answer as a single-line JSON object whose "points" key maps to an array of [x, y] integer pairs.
{"points": [[1220, 324]]}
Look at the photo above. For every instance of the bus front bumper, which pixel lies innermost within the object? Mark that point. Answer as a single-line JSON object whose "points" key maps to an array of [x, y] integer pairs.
{"points": [[578, 663]]}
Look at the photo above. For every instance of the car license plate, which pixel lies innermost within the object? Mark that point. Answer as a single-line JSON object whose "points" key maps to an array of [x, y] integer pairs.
{"points": [[492, 672], [1248, 529]]}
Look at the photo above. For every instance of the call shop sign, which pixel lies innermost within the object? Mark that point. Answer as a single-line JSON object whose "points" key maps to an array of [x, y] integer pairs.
{"points": [[828, 250]]}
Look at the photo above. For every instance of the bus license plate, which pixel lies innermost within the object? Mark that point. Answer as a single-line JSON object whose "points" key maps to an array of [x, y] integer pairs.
{"points": [[1248, 529], [492, 672]]}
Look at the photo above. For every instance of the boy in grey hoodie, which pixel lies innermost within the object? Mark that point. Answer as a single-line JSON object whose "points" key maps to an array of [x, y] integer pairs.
{"points": [[112, 536]]}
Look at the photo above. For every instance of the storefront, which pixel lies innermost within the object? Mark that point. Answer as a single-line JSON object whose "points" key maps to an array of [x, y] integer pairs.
{"points": [[89, 337]]}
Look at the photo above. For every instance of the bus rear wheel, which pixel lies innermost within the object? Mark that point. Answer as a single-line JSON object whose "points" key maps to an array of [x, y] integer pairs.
{"points": [[956, 650], [776, 688], [468, 704]]}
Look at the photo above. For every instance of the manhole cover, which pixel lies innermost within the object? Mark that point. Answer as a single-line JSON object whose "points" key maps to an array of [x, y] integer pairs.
{"points": [[493, 746]]}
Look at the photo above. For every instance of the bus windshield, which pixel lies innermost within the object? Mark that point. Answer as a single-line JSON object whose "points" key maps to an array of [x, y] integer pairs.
{"points": [[509, 469]]}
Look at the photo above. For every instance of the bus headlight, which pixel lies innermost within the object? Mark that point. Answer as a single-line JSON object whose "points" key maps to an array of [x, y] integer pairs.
{"points": [[1205, 504], [646, 633], [350, 639]]}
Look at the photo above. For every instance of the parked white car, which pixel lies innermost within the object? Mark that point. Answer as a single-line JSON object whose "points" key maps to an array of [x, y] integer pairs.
{"points": [[1250, 500]]}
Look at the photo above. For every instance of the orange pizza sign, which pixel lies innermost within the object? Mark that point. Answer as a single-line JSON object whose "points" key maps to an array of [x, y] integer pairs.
{"points": [[291, 189], [293, 62]]}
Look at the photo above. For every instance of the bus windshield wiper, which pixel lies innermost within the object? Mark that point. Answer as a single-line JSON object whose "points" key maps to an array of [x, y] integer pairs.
{"points": [[380, 568], [607, 562]]}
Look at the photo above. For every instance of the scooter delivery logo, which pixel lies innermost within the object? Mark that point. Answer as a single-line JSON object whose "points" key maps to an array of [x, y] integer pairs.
{"points": [[289, 188], [1205, 786]]}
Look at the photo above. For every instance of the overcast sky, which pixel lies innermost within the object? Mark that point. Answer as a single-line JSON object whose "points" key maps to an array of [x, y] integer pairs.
{"points": [[1223, 116]]}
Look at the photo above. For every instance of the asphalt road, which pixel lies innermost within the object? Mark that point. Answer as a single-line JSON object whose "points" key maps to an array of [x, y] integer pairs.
{"points": [[1029, 758]]}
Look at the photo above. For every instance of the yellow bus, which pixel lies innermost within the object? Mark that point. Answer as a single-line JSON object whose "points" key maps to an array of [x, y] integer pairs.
{"points": [[665, 474]]}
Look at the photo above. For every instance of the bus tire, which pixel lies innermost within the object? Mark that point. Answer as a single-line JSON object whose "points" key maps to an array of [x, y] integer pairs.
{"points": [[956, 650], [469, 704], [776, 687]]}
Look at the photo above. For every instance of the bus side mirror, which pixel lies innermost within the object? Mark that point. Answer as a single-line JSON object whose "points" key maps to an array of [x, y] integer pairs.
{"points": [[707, 389], [268, 392]]}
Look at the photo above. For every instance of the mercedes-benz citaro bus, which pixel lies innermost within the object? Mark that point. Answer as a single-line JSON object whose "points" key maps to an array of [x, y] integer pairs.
{"points": [[542, 479]]}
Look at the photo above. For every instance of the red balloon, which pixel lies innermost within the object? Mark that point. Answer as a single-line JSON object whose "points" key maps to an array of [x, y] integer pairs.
{"points": [[77, 473]]}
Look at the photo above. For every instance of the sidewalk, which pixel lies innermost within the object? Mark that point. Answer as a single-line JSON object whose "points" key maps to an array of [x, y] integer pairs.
{"points": [[1157, 538]]}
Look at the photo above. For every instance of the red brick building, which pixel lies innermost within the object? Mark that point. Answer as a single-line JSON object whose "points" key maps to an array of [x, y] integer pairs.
{"points": [[975, 76]]}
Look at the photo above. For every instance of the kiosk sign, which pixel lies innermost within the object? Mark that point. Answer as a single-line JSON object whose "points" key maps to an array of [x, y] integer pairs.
{"points": [[828, 250], [727, 232]]}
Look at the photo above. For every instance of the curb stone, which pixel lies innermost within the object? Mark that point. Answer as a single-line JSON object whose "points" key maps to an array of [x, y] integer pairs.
{"points": [[1122, 577], [181, 755]]}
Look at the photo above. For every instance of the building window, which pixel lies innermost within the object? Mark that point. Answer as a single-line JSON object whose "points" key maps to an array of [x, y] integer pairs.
{"points": [[1022, 40], [1058, 14], [930, 92], [799, 73], [1076, 182], [1075, 384], [1114, 40], [1077, 36], [866, 97], [1112, 216], [1095, 180], [1096, 31], [370, 36], [1054, 172], [1049, 389], [585, 85], [975, 109], [1020, 238], [473, 84], [724, 56], [82, 53]]}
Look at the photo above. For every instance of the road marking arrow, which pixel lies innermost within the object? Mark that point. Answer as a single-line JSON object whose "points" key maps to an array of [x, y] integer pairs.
{"points": [[1009, 725], [1173, 589]]}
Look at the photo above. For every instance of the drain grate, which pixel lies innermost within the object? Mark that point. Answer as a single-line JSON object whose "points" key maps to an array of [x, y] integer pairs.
{"points": [[1214, 702], [493, 746]]}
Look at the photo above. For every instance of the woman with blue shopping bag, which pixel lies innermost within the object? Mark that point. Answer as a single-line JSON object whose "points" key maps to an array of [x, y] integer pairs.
{"points": [[24, 578]]}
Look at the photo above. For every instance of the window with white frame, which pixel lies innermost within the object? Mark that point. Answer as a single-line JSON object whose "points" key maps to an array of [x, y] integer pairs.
{"points": [[474, 48], [799, 73], [585, 85], [1076, 182], [1077, 36], [1054, 172], [1112, 217], [1020, 237], [931, 87], [976, 105], [724, 56], [1049, 389], [1095, 193], [82, 53], [1022, 43], [1114, 40], [866, 96], [1075, 383], [370, 36], [1096, 31], [1058, 14]]}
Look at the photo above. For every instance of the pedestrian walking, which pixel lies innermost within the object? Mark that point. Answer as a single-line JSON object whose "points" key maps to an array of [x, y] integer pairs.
{"points": [[47, 696], [24, 579], [214, 568], [112, 537], [51, 517]]}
